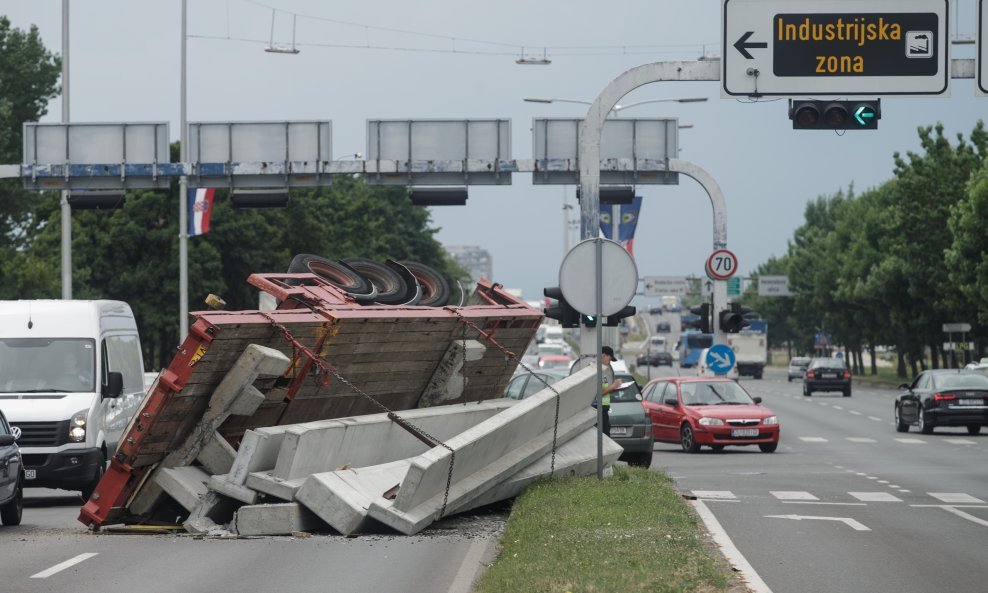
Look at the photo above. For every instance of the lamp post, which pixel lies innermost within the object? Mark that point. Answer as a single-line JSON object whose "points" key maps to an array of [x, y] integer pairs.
{"points": [[66, 207], [617, 108]]}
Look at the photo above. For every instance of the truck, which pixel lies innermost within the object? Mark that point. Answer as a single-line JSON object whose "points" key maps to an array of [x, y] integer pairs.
{"points": [[750, 347], [71, 378], [691, 344]]}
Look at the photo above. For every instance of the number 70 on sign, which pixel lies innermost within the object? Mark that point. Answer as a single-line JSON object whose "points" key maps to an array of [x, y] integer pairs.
{"points": [[721, 265]]}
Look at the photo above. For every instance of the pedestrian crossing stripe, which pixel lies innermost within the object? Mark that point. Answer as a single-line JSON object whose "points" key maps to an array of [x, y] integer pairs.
{"points": [[875, 497], [955, 498]]}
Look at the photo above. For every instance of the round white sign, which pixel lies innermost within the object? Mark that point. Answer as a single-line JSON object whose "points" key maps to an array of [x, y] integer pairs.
{"points": [[619, 277], [721, 265]]}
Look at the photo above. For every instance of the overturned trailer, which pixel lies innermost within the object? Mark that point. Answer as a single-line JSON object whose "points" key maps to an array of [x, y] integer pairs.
{"points": [[206, 436]]}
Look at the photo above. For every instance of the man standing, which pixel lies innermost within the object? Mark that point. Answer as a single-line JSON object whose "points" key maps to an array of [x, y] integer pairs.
{"points": [[608, 385]]}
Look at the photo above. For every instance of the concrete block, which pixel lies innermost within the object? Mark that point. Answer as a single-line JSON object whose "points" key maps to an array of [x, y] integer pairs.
{"points": [[362, 441], [258, 451], [276, 519], [213, 509], [576, 457], [266, 483], [217, 455], [447, 382], [341, 498], [235, 491], [186, 484]]}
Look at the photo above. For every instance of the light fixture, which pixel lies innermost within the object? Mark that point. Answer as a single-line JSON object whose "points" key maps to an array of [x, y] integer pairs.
{"points": [[438, 196], [616, 194], [531, 61], [97, 199], [281, 49], [259, 198]]}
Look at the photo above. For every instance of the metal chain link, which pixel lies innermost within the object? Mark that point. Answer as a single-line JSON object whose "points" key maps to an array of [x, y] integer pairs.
{"points": [[328, 371]]}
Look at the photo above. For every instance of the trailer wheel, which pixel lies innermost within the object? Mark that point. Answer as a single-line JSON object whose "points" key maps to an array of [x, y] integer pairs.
{"points": [[338, 274], [391, 289], [435, 289]]}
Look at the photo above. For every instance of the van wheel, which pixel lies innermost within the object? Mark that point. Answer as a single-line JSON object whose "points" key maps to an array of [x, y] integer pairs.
{"points": [[11, 514], [88, 490], [973, 429]]}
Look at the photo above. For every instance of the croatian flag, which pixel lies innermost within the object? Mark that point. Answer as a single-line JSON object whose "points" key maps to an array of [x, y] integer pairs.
{"points": [[200, 210]]}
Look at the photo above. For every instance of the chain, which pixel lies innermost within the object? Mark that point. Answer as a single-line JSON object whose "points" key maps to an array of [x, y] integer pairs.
{"points": [[512, 356], [417, 432]]}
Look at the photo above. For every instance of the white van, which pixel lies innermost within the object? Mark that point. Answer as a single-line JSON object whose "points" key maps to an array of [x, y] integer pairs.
{"points": [[71, 377]]}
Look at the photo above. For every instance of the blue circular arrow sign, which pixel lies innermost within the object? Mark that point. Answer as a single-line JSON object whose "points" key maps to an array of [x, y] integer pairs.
{"points": [[720, 359]]}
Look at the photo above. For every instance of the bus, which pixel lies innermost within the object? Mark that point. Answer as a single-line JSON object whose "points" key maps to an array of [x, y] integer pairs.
{"points": [[690, 345]]}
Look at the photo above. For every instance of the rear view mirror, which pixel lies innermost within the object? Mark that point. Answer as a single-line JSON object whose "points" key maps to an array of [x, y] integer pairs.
{"points": [[757, 399], [671, 401], [904, 386], [6, 440], [114, 385]]}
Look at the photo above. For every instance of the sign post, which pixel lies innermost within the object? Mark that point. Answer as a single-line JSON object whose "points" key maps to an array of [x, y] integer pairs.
{"points": [[982, 55], [835, 47]]}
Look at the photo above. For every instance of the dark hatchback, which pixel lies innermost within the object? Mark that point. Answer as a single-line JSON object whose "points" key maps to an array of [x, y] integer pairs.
{"points": [[630, 425], [943, 397], [827, 374], [11, 475], [655, 359]]}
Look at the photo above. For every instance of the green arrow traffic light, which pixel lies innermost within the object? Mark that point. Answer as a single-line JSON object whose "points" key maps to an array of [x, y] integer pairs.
{"points": [[864, 114]]}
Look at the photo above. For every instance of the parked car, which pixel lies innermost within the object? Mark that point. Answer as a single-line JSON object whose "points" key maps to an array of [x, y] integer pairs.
{"points": [[827, 374], [943, 397], [708, 411], [798, 366], [11, 475], [525, 384], [630, 426]]}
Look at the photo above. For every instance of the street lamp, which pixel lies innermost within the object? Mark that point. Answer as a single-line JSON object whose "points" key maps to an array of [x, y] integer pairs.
{"points": [[618, 108]]}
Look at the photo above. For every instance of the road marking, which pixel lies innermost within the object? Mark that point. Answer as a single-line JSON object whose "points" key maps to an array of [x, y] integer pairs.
{"points": [[964, 515], [473, 562], [813, 439], [875, 418], [715, 494], [912, 441], [875, 497], [857, 526], [824, 404], [752, 580], [792, 495], [861, 440], [836, 407], [959, 441], [44, 574], [855, 412], [955, 498]]}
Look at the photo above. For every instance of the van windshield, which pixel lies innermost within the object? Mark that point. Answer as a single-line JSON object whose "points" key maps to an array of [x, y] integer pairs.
{"points": [[32, 365]]}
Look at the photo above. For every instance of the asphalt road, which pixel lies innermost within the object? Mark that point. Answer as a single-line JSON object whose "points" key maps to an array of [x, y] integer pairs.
{"points": [[847, 504]]}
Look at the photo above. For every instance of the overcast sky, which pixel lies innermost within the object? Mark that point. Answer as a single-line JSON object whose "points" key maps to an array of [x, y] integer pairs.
{"points": [[424, 59]]}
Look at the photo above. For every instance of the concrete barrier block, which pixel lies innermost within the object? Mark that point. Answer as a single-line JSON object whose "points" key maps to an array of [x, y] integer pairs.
{"points": [[276, 519], [266, 483], [234, 491], [186, 484], [341, 498]]}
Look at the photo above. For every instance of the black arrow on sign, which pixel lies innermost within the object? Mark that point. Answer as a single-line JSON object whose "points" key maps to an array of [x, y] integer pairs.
{"points": [[743, 46]]}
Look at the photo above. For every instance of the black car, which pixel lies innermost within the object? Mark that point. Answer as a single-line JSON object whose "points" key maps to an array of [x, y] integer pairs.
{"points": [[655, 359], [11, 475], [943, 397], [630, 425], [663, 327], [827, 374]]}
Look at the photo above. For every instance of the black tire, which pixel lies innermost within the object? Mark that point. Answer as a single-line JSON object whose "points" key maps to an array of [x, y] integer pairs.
{"points": [[435, 289], [758, 375], [12, 512], [847, 392], [413, 294], [338, 274], [924, 426], [900, 426], [806, 391], [88, 489], [973, 429], [768, 447], [687, 439], [790, 379], [391, 289], [717, 448]]}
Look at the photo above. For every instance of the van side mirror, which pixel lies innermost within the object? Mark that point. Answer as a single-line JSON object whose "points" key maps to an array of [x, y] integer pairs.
{"points": [[757, 399], [114, 384], [904, 386], [6, 440], [671, 401]]}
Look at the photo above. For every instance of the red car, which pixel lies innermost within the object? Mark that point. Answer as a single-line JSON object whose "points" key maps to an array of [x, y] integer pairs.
{"points": [[711, 411]]}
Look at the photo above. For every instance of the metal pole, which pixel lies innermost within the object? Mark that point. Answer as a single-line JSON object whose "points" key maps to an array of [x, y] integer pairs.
{"points": [[598, 306], [66, 208], [183, 214]]}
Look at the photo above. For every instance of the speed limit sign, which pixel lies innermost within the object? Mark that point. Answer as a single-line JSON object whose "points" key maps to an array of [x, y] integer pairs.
{"points": [[721, 265]]}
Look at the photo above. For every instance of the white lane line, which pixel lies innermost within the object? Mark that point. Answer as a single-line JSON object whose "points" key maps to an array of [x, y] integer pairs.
{"points": [[813, 439], [855, 412], [861, 440], [875, 418], [875, 497], [836, 407], [44, 574], [964, 515], [955, 498], [473, 562], [792, 495], [912, 441], [752, 580], [959, 442], [715, 494]]}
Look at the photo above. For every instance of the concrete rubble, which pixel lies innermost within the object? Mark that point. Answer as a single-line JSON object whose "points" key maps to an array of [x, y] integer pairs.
{"points": [[270, 423]]}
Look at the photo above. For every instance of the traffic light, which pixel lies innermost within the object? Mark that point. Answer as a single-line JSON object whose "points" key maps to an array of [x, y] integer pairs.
{"points": [[812, 114], [615, 319], [732, 320], [703, 324], [561, 311]]}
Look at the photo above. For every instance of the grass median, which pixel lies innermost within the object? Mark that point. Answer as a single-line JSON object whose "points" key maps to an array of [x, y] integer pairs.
{"points": [[629, 532]]}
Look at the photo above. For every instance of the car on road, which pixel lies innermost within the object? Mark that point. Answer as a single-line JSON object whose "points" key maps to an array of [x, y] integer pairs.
{"points": [[827, 374], [11, 475], [655, 359], [525, 384], [797, 366], [663, 327], [943, 397], [555, 362], [708, 411], [630, 426]]}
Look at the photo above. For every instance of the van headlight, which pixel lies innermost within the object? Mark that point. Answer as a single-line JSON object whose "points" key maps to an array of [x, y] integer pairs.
{"points": [[711, 422], [771, 420], [77, 426]]}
